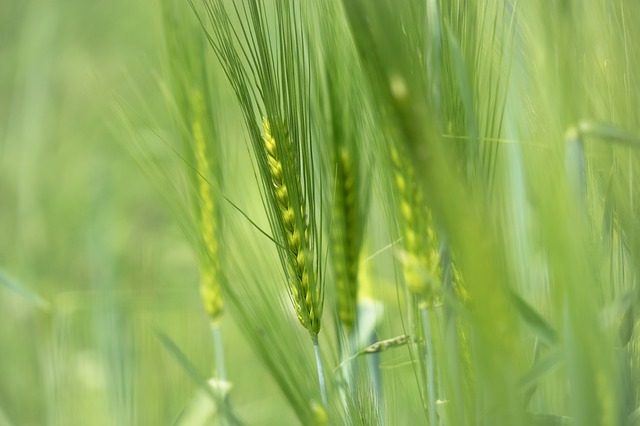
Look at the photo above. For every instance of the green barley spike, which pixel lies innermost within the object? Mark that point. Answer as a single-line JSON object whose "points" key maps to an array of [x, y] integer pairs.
{"points": [[298, 253], [210, 288], [421, 263], [346, 238]]}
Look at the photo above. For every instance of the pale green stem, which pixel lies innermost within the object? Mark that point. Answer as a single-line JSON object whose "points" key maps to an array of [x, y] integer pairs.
{"points": [[374, 367], [344, 373], [350, 347], [219, 353], [449, 338], [323, 385], [429, 361], [220, 376]]}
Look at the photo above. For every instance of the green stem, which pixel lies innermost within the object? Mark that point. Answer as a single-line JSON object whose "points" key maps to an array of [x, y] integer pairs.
{"points": [[221, 376], [343, 375], [429, 361], [219, 353], [323, 385], [374, 368]]}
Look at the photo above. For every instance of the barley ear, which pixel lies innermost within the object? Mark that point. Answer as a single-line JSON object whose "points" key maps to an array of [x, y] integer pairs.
{"points": [[421, 258], [210, 272], [346, 237], [295, 227]]}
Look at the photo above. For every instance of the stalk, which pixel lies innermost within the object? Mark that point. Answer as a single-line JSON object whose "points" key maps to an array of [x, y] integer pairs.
{"points": [[320, 367], [374, 370], [220, 374], [344, 373], [429, 362], [219, 354]]}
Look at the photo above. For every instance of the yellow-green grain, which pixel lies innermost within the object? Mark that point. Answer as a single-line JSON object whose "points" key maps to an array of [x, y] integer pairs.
{"points": [[421, 258], [296, 228], [210, 288]]}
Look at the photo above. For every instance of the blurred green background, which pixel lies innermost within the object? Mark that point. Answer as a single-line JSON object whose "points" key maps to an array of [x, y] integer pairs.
{"points": [[84, 230]]}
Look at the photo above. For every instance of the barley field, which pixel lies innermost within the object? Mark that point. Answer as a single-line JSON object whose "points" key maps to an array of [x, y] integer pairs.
{"points": [[331, 212]]}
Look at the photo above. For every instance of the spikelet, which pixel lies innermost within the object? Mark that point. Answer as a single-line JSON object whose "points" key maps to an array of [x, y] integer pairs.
{"points": [[346, 238], [421, 260], [210, 287], [459, 288], [295, 226]]}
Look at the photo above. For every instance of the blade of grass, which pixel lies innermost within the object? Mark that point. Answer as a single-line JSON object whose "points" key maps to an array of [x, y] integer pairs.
{"points": [[198, 378], [534, 320], [24, 292]]}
